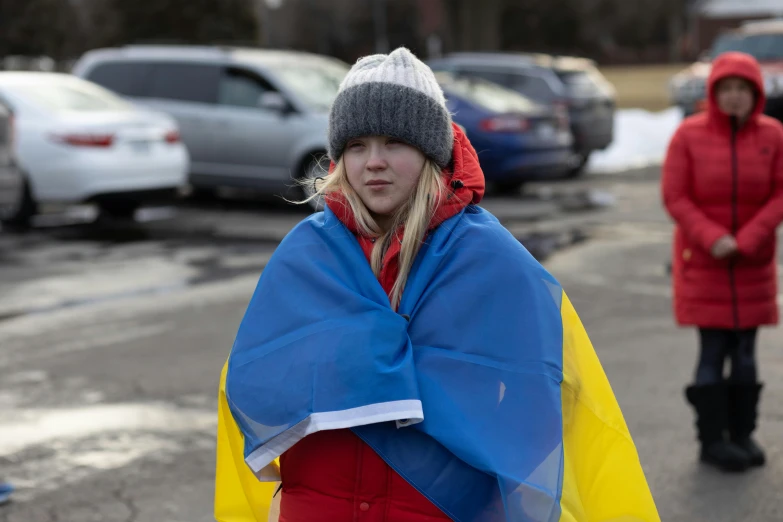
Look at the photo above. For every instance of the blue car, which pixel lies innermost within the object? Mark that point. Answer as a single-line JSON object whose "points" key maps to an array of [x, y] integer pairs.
{"points": [[516, 139]]}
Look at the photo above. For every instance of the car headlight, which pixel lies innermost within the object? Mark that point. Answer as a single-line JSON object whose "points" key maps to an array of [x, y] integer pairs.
{"points": [[773, 85], [687, 89], [676, 85], [770, 84]]}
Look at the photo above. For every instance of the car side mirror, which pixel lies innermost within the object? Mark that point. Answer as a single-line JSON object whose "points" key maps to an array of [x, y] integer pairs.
{"points": [[273, 101]]}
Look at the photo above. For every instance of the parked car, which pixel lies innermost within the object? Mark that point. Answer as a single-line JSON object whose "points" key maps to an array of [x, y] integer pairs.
{"points": [[517, 139], [251, 118], [79, 143], [762, 39], [561, 83], [10, 178]]}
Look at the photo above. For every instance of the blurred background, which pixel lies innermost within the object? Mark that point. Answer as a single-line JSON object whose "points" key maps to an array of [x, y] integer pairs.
{"points": [[149, 153]]}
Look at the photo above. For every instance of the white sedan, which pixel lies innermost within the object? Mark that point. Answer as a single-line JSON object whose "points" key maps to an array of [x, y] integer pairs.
{"points": [[78, 143]]}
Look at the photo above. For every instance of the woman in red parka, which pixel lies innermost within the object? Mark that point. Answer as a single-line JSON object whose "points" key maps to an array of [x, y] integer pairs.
{"points": [[723, 186]]}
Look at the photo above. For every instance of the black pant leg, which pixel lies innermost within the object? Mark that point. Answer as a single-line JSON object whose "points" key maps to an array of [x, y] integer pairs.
{"points": [[743, 357], [715, 345]]}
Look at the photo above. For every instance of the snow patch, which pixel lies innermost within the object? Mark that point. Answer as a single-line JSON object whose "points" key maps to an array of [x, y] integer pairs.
{"points": [[640, 140]]}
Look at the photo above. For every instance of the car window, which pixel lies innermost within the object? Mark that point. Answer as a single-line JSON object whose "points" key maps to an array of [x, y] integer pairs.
{"points": [[488, 95], [189, 82], [125, 78], [530, 85], [69, 95], [314, 83], [579, 83], [767, 46], [534, 86], [499, 78], [241, 89]]}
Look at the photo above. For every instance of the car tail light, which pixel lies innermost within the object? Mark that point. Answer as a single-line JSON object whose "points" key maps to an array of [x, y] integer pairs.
{"points": [[85, 140], [505, 124], [172, 136]]}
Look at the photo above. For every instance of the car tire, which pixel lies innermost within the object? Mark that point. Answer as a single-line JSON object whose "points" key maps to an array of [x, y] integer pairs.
{"points": [[316, 166], [120, 210], [21, 219], [508, 188], [204, 194], [580, 167]]}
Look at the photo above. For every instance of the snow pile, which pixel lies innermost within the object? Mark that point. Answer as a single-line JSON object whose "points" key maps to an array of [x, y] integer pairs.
{"points": [[640, 140]]}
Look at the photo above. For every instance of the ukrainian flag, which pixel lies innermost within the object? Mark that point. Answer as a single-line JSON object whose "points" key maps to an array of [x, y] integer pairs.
{"points": [[518, 422], [603, 479]]}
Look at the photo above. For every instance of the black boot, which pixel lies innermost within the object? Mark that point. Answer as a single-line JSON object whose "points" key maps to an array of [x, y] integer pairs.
{"points": [[743, 412], [711, 404]]}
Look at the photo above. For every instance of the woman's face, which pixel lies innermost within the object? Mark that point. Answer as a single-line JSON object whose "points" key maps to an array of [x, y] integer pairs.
{"points": [[735, 97], [383, 171]]}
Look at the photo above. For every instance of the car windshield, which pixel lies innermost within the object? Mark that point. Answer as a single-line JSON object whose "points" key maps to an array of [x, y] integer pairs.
{"points": [[317, 84], [761, 46], [580, 83], [488, 95], [69, 95]]}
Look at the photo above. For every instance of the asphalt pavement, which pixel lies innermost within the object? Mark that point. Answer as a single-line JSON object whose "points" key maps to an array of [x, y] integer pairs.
{"points": [[112, 339]]}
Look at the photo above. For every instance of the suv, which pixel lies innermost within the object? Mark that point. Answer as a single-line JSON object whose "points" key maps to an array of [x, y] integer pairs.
{"points": [[762, 39], [250, 118], [10, 177], [563, 83]]}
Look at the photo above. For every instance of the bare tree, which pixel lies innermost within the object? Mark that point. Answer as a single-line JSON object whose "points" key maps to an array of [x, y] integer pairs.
{"points": [[187, 21], [38, 27]]}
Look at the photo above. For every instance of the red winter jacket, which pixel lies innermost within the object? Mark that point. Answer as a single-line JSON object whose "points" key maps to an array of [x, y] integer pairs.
{"points": [[716, 182], [333, 476]]}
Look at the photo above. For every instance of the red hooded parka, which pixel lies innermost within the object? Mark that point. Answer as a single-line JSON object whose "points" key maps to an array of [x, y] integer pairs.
{"points": [[333, 475], [718, 180]]}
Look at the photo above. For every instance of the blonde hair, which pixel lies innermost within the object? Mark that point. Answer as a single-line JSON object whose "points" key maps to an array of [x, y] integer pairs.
{"points": [[415, 214]]}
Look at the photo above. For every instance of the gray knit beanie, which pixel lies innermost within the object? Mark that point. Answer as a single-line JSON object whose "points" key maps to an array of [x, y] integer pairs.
{"points": [[393, 95]]}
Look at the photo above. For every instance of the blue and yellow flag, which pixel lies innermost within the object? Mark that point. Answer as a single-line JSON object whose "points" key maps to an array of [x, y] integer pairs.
{"points": [[482, 390]]}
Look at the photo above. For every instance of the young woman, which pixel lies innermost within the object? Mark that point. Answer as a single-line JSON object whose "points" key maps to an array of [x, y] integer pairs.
{"points": [[405, 357], [723, 186]]}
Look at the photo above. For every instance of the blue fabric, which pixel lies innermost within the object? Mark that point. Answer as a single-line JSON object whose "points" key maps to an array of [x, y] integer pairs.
{"points": [[477, 338]]}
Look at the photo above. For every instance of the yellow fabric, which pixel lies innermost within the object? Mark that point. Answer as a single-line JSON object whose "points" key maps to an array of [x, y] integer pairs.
{"points": [[239, 495], [602, 477]]}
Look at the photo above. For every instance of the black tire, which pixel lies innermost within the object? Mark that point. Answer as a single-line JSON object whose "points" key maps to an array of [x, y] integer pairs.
{"points": [[121, 210], [204, 194], [509, 188], [580, 168], [21, 219]]}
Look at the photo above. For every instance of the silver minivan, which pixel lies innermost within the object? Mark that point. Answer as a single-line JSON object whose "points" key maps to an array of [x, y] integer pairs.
{"points": [[250, 118]]}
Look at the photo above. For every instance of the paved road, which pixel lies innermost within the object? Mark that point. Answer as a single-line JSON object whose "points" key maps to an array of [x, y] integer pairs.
{"points": [[110, 351]]}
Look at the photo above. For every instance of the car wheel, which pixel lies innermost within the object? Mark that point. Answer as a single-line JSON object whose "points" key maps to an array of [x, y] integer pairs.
{"points": [[119, 210], [204, 194], [21, 218], [579, 165], [508, 188], [317, 167]]}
